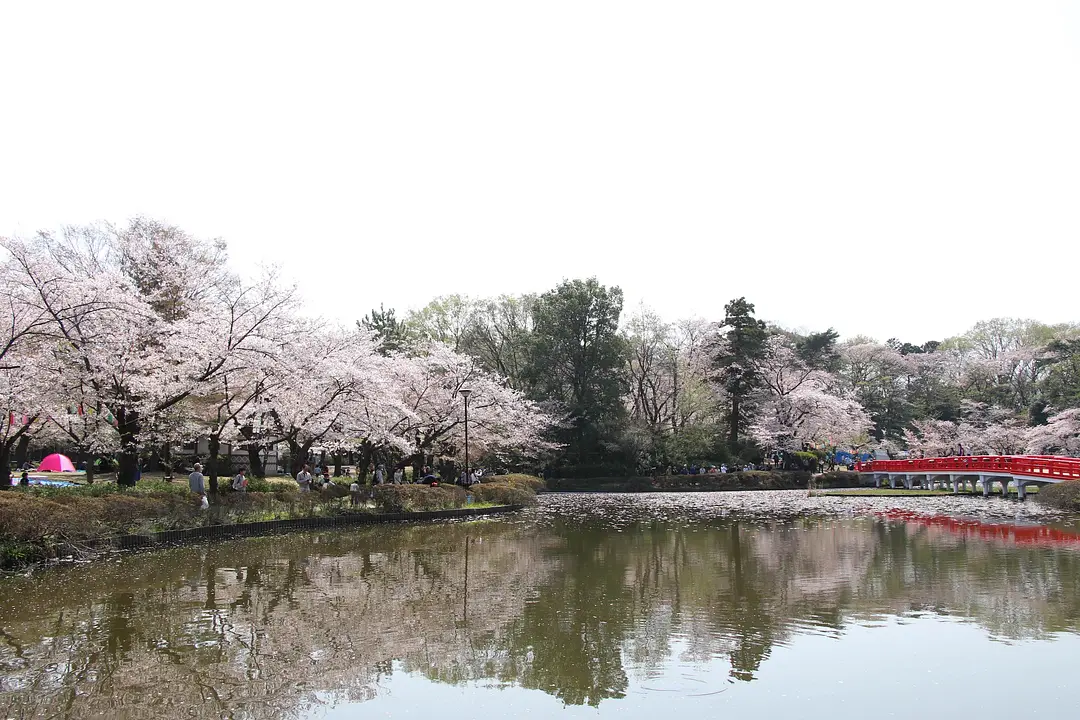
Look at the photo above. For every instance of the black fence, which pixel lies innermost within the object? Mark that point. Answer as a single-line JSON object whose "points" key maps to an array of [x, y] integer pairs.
{"points": [[270, 527]]}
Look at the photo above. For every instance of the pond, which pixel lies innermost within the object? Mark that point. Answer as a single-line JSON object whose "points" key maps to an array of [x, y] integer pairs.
{"points": [[630, 606]]}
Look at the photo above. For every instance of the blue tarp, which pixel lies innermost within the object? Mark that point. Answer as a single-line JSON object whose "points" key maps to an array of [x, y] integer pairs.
{"points": [[846, 458]]}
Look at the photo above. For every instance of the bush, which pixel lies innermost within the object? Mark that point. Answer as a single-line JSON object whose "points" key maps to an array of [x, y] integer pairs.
{"points": [[1063, 495], [503, 493], [261, 485], [529, 482], [838, 479], [806, 461], [418, 498]]}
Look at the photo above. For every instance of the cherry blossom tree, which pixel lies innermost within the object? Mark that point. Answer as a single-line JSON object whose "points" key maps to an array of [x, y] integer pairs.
{"points": [[332, 390], [802, 404], [249, 326], [991, 430], [151, 318], [24, 391], [810, 413], [932, 438], [1059, 436], [501, 420]]}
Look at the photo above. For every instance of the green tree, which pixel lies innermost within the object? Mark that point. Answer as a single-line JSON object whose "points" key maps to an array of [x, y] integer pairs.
{"points": [[500, 336], [738, 356], [393, 334], [578, 360], [447, 319], [818, 350]]}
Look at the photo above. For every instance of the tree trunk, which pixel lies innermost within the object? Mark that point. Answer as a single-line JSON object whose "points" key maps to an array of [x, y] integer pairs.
{"points": [[165, 453], [337, 465], [255, 463], [733, 435], [127, 423], [21, 450], [5, 466], [91, 459], [214, 445], [297, 457], [367, 452]]}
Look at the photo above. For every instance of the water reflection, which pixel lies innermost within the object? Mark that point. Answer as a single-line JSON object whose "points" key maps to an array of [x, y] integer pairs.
{"points": [[583, 610]]}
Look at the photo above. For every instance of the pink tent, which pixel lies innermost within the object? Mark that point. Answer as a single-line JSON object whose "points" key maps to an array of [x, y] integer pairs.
{"points": [[56, 463]]}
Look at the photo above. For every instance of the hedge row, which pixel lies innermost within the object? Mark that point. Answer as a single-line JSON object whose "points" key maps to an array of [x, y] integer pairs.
{"points": [[507, 490]]}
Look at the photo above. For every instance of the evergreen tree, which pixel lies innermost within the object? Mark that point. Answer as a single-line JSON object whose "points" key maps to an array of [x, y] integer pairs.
{"points": [[578, 360], [737, 360], [392, 334]]}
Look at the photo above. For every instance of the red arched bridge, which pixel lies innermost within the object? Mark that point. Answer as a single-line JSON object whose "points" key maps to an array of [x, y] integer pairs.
{"points": [[979, 470]]}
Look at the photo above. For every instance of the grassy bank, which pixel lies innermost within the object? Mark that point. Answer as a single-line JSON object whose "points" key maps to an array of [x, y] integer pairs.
{"points": [[41, 523], [1064, 496]]}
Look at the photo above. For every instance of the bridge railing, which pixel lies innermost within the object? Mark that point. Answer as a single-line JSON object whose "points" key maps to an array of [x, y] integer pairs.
{"points": [[1049, 466]]}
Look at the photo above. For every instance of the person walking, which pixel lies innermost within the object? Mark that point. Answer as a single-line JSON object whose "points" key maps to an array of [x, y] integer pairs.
{"points": [[239, 483], [197, 482], [303, 479]]}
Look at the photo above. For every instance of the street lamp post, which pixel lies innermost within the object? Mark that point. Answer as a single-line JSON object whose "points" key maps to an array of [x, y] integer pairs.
{"points": [[465, 393]]}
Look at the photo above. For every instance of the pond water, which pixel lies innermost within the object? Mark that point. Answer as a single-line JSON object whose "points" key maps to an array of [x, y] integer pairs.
{"points": [[629, 606]]}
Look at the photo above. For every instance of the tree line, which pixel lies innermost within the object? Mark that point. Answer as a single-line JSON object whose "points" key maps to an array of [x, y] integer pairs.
{"points": [[638, 394], [125, 341]]}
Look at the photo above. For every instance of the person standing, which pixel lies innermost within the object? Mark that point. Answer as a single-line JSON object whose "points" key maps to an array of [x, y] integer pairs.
{"points": [[239, 483], [380, 475], [197, 481], [303, 479], [399, 475]]}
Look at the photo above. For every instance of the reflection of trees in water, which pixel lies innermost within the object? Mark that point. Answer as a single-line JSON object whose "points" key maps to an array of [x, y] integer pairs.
{"points": [[258, 628], [266, 628]]}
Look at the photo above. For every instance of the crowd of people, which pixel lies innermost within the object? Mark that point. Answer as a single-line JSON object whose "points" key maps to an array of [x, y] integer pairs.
{"points": [[722, 468]]}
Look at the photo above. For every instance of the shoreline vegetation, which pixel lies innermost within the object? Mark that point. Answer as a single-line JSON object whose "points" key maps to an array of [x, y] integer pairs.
{"points": [[41, 523]]}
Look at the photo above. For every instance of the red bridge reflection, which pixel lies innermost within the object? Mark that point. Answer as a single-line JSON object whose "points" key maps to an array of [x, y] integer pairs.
{"points": [[1019, 534]]}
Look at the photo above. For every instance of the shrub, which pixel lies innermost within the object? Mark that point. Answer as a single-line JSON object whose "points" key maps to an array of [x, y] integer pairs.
{"points": [[838, 479], [261, 485], [503, 493], [530, 482], [418, 498], [1064, 495], [806, 461]]}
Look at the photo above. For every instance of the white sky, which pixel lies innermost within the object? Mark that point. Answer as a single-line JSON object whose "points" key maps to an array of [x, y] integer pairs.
{"points": [[891, 168]]}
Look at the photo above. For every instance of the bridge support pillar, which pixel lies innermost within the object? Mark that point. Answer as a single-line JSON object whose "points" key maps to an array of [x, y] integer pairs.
{"points": [[892, 481], [955, 483], [908, 482], [1004, 487], [986, 483], [1021, 493]]}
